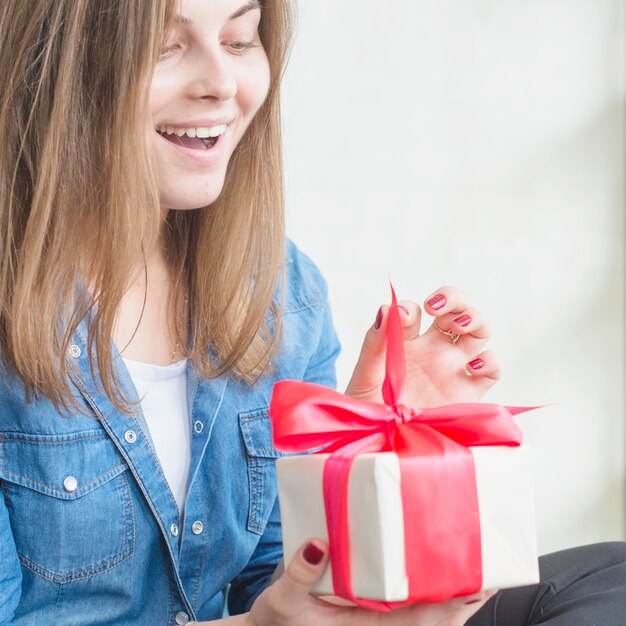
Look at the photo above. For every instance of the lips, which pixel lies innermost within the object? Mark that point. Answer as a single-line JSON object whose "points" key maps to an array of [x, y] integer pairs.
{"points": [[199, 134], [177, 150], [194, 143]]}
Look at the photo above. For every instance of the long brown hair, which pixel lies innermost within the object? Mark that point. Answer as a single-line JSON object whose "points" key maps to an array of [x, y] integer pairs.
{"points": [[75, 165]]}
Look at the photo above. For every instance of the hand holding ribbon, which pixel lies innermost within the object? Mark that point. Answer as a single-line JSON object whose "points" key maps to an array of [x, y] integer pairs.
{"points": [[436, 367]]}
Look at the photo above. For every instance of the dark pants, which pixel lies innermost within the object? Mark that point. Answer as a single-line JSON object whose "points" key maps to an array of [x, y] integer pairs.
{"points": [[583, 586]]}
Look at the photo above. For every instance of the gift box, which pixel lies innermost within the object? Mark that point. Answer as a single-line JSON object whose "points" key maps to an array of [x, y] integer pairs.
{"points": [[417, 504], [505, 502]]}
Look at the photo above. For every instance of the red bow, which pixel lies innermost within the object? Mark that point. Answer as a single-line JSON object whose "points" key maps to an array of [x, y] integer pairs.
{"points": [[438, 483]]}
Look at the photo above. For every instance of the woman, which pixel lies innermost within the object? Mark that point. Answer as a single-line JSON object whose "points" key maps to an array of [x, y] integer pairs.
{"points": [[148, 301]]}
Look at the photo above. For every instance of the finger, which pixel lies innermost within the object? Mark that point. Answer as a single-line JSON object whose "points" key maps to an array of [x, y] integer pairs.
{"points": [[410, 319], [470, 324], [467, 610], [369, 371], [458, 610], [446, 300], [473, 604], [484, 366], [478, 596], [370, 367], [454, 612], [306, 566]]}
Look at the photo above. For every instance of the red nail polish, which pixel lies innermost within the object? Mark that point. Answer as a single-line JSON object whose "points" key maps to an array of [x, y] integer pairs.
{"points": [[379, 318], [463, 320], [437, 302], [401, 306], [476, 364], [312, 554]]}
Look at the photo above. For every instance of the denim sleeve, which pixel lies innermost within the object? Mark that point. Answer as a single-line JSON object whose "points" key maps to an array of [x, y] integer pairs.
{"points": [[321, 367], [10, 571], [245, 588]]}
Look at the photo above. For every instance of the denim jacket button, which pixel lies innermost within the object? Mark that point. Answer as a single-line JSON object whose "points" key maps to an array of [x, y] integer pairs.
{"points": [[197, 527], [130, 436], [182, 618], [70, 483], [174, 530], [198, 426], [74, 351]]}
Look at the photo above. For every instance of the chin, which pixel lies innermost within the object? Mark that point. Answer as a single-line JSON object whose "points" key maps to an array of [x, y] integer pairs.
{"points": [[188, 206], [188, 202]]}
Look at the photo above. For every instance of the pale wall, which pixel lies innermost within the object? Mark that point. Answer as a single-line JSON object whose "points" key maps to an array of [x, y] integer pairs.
{"points": [[480, 143]]}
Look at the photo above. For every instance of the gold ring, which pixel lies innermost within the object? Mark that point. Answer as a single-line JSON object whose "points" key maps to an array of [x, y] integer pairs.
{"points": [[450, 333]]}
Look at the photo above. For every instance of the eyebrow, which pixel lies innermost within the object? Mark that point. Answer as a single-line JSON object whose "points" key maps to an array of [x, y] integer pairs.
{"points": [[250, 6]]}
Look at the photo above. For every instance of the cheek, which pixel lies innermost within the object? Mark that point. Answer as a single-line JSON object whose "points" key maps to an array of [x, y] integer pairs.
{"points": [[157, 101], [163, 89], [254, 87]]}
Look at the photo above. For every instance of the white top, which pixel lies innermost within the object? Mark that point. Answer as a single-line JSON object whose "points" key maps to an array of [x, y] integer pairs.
{"points": [[162, 390]]}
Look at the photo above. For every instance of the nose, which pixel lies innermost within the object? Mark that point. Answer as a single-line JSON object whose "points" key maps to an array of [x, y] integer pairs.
{"points": [[213, 75]]}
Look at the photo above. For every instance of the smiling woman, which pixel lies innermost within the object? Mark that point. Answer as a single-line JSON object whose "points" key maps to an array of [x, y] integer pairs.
{"points": [[148, 303]]}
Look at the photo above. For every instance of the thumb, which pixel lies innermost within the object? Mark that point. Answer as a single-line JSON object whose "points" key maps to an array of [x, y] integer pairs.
{"points": [[304, 569], [370, 368], [369, 372]]}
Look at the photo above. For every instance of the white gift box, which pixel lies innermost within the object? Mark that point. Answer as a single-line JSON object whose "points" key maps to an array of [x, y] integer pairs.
{"points": [[505, 500]]}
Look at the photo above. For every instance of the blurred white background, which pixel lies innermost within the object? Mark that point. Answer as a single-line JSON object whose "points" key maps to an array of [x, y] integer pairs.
{"points": [[480, 143]]}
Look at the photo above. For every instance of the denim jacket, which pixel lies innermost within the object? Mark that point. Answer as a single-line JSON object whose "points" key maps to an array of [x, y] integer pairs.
{"points": [[90, 532]]}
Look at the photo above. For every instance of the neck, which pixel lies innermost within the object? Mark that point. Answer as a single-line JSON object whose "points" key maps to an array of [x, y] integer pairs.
{"points": [[149, 321], [152, 262]]}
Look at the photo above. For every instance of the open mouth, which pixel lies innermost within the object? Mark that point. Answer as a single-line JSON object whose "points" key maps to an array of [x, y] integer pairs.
{"points": [[195, 143], [194, 138]]}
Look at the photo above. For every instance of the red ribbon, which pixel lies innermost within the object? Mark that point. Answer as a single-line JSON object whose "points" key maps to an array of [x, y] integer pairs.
{"points": [[438, 481]]}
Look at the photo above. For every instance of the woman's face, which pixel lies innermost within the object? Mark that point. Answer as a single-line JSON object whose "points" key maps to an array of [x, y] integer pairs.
{"points": [[212, 78]]}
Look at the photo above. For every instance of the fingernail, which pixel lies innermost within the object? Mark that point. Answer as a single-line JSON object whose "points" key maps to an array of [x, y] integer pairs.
{"points": [[437, 302], [312, 554], [379, 318], [463, 320], [476, 364], [401, 306]]}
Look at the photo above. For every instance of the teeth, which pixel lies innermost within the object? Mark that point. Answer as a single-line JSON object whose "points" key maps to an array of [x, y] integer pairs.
{"points": [[217, 130], [202, 132]]}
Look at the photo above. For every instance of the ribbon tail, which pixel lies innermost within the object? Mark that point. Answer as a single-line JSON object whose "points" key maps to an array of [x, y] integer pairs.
{"points": [[441, 516], [335, 487], [395, 373], [516, 410]]}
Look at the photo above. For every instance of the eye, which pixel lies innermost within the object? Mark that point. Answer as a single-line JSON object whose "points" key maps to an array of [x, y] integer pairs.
{"points": [[239, 47], [167, 49]]}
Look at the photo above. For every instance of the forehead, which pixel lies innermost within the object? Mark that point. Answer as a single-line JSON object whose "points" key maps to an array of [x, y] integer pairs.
{"points": [[194, 11]]}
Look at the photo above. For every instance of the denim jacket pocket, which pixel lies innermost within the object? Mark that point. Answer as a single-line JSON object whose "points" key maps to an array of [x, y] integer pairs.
{"points": [[72, 498], [256, 430]]}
